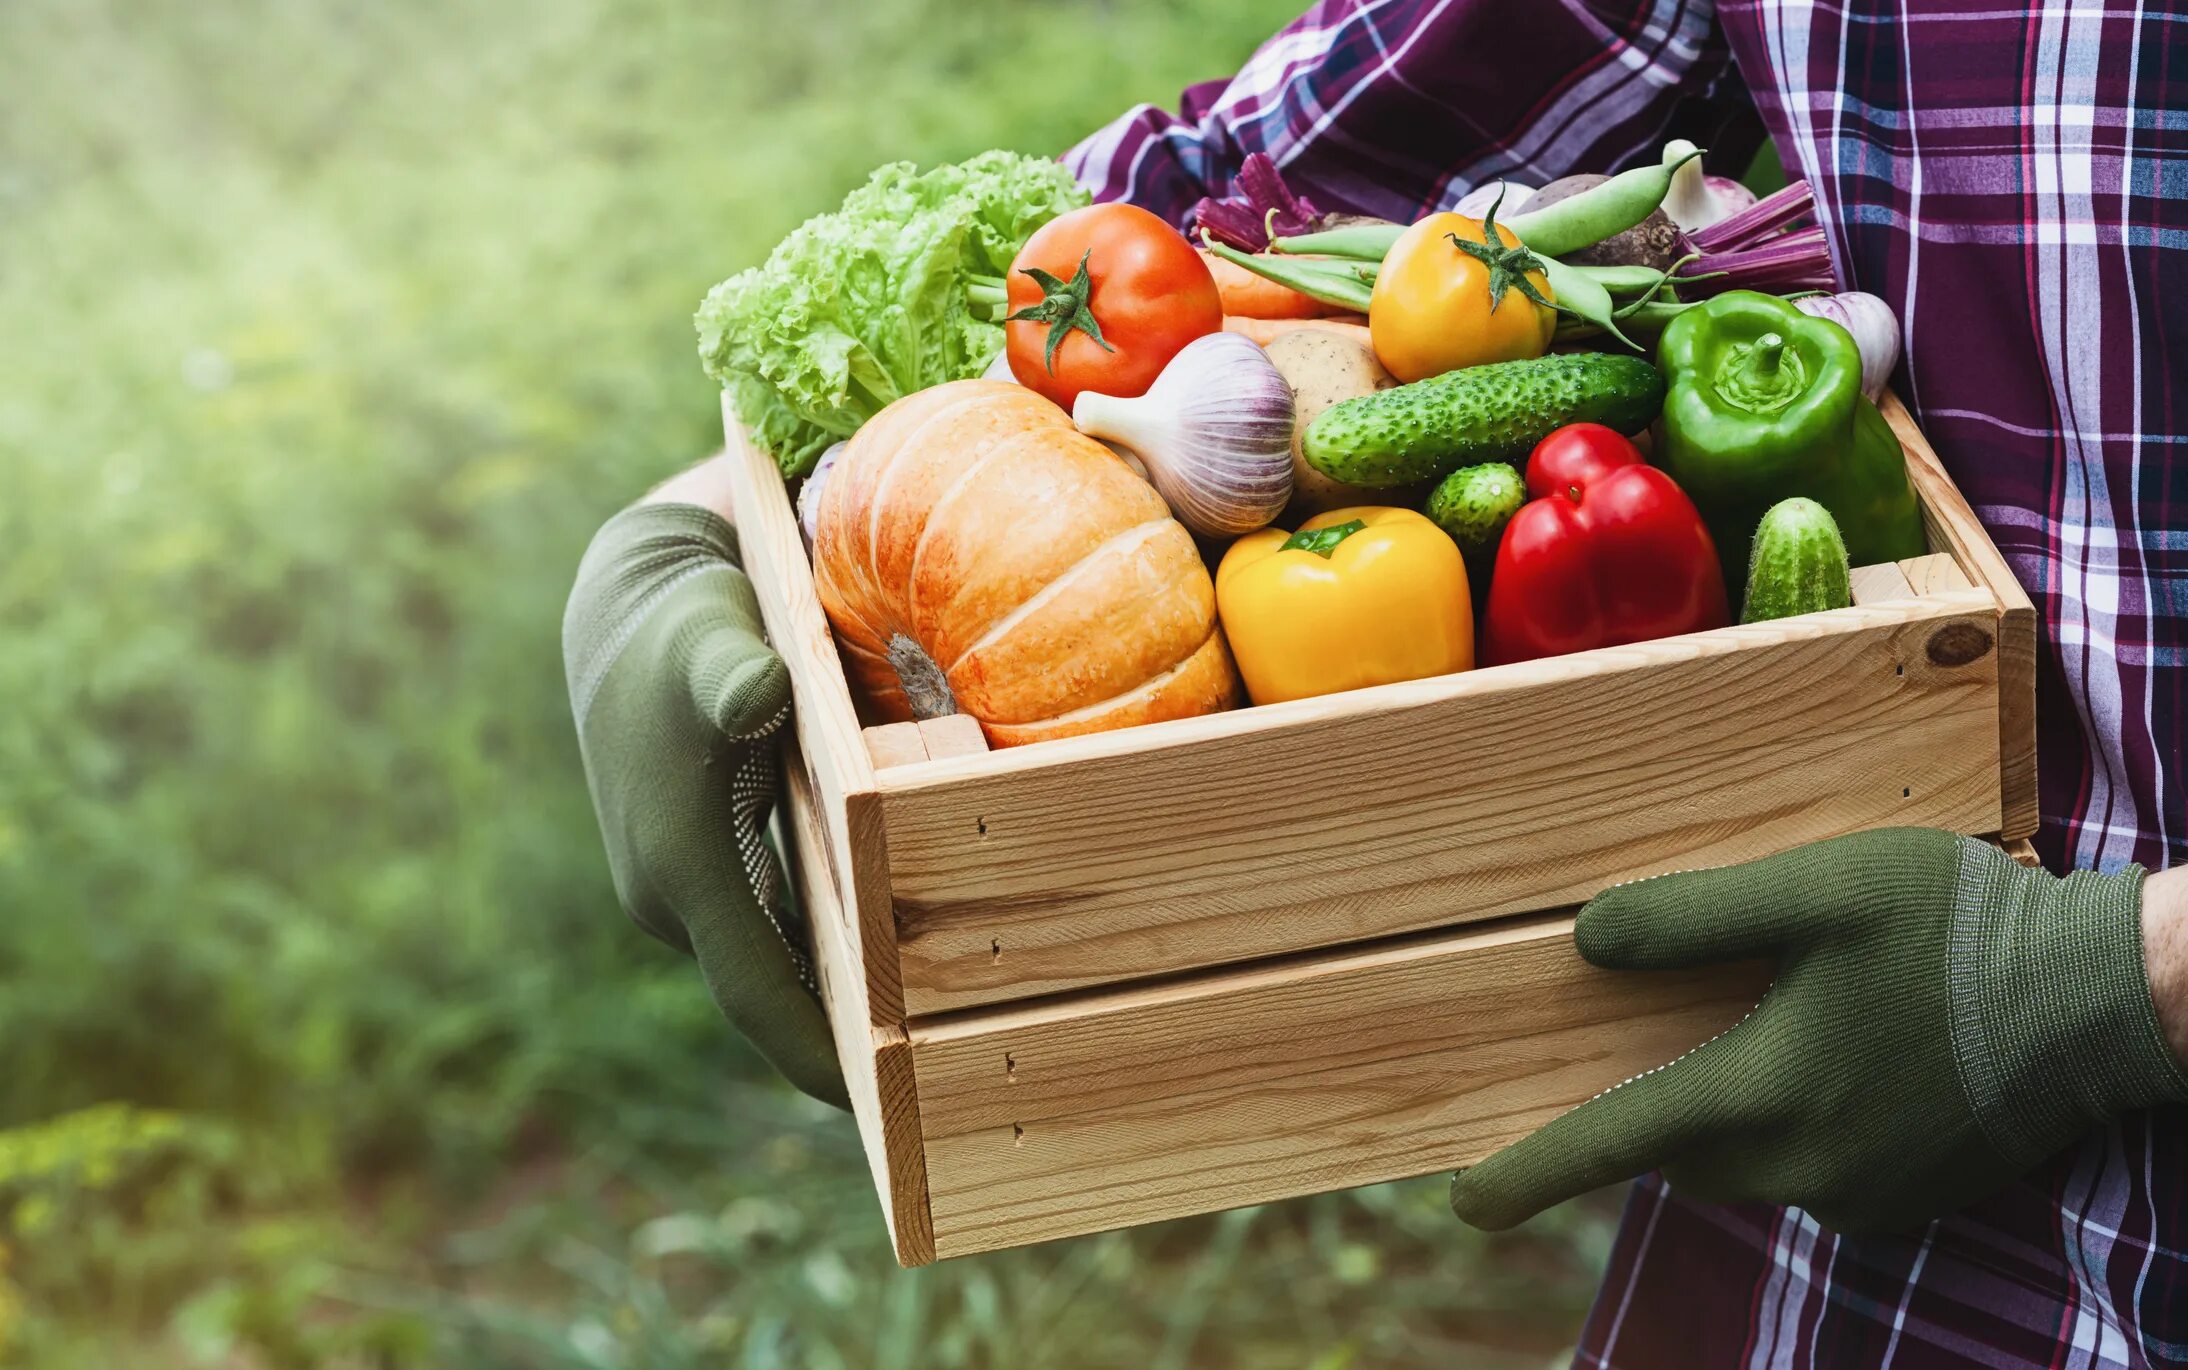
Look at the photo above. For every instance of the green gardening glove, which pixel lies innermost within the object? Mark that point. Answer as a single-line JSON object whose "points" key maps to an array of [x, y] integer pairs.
{"points": [[679, 702], [1942, 1019]]}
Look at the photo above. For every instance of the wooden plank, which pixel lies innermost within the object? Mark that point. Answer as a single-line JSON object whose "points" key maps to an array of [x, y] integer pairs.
{"points": [[877, 1060], [825, 721], [1934, 574], [1124, 1107], [1879, 584], [1181, 845], [895, 744], [1955, 529], [953, 735], [2022, 850]]}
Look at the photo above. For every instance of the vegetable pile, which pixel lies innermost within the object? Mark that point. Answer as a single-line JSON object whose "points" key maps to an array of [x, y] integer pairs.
{"points": [[1380, 436], [899, 289]]}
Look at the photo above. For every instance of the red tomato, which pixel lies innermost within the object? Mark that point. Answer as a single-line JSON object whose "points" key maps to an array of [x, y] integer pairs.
{"points": [[1115, 273]]}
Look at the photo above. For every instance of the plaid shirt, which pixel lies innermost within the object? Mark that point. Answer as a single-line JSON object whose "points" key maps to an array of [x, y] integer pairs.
{"points": [[2014, 179]]}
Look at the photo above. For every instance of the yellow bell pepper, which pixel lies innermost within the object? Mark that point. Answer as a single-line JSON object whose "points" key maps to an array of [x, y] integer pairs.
{"points": [[1360, 596]]}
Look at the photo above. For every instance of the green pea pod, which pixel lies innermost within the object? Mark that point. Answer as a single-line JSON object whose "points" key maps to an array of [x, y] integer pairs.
{"points": [[1363, 242], [1582, 298], [1586, 219], [1339, 286]]}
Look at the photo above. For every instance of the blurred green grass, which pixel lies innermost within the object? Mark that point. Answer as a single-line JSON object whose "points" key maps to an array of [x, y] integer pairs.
{"points": [[330, 330]]}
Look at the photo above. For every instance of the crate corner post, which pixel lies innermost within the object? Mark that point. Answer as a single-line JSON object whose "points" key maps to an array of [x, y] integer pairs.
{"points": [[838, 849]]}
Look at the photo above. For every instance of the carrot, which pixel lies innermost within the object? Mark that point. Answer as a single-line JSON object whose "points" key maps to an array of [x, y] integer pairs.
{"points": [[1266, 331], [1256, 297]]}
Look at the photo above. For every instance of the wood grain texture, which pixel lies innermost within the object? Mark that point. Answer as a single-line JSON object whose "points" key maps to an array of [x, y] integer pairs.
{"points": [[1331, 821], [1129, 1106], [826, 724], [876, 1059], [1954, 528], [1879, 584], [1934, 574], [895, 744], [952, 735]]}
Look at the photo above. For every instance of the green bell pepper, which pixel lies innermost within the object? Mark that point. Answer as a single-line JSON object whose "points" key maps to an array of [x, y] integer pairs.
{"points": [[1765, 403]]}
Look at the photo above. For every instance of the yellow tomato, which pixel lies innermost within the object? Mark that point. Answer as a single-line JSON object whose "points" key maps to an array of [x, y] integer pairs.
{"points": [[1431, 310], [1379, 596]]}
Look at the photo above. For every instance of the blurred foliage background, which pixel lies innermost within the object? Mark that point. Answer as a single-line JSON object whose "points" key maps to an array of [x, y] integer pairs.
{"points": [[331, 330]]}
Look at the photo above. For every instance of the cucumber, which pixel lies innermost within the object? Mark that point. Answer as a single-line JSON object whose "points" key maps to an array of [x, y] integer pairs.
{"points": [[1492, 413], [1798, 565], [1473, 504]]}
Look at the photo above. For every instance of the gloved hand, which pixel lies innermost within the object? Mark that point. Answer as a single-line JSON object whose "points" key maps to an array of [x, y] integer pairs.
{"points": [[1941, 1020], [679, 702]]}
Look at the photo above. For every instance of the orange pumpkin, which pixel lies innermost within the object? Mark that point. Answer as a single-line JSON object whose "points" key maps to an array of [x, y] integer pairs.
{"points": [[977, 554]]}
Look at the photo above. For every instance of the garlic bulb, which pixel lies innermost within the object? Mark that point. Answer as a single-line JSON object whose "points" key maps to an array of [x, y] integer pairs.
{"points": [[1874, 326], [1214, 434], [1697, 200]]}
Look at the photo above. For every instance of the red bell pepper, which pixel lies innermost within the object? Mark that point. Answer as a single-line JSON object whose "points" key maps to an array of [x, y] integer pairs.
{"points": [[1609, 550]]}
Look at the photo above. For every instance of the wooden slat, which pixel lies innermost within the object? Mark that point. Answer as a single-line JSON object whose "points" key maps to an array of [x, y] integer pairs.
{"points": [[1180, 845], [1954, 528], [825, 720], [1129, 1106], [1879, 584], [1934, 574], [876, 1059], [895, 744], [953, 735]]}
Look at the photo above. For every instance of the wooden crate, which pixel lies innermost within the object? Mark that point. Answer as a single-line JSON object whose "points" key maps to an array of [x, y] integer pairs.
{"points": [[1105, 980]]}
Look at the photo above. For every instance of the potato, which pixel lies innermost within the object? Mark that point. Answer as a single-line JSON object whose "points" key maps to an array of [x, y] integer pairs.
{"points": [[1324, 368]]}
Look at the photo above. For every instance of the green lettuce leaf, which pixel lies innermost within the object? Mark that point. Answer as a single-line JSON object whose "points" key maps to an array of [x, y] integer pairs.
{"points": [[867, 304]]}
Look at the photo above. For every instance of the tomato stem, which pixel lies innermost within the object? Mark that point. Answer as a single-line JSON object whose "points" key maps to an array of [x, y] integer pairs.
{"points": [[1063, 307], [1508, 266]]}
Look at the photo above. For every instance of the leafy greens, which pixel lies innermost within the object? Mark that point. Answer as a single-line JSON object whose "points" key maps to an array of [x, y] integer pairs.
{"points": [[897, 290]]}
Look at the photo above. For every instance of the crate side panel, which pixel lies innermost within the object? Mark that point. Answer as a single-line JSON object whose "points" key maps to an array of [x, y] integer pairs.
{"points": [[1955, 529], [1462, 798], [826, 724], [1370, 1067]]}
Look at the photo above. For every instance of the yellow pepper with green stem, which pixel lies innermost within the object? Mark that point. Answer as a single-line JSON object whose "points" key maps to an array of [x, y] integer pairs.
{"points": [[1359, 596]]}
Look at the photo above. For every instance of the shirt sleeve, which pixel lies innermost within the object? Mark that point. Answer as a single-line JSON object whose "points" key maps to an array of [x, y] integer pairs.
{"points": [[1397, 108]]}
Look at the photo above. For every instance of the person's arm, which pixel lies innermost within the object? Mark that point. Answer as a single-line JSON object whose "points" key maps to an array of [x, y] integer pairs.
{"points": [[1941, 1020], [1398, 107], [2165, 952]]}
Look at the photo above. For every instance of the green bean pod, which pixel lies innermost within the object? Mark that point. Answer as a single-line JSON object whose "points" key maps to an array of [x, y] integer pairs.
{"points": [[1594, 214], [1581, 297], [1648, 318], [1363, 242], [1644, 281], [1338, 285]]}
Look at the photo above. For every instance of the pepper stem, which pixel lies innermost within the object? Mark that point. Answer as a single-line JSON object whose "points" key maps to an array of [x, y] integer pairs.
{"points": [[1322, 541], [1763, 376]]}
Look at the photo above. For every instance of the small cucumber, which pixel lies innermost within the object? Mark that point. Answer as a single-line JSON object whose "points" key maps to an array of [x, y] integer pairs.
{"points": [[1492, 413], [1473, 504], [1798, 565]]}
